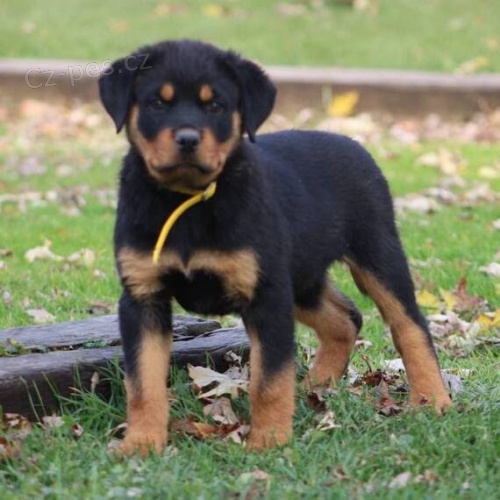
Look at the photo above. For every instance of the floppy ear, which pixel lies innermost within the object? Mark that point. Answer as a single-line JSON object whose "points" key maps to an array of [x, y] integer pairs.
{"points": [[257, 92], [116, 89]]}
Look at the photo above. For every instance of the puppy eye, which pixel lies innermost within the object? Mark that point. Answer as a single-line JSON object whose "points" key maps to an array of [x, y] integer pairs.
{"points": [[214, 107], [157, 104]]}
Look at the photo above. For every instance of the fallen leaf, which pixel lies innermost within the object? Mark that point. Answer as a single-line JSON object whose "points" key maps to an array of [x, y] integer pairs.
{"points": [[84, 256], [428, 300], [472, 65], [258, 474], [221, 411], [452, 382], [400, 481], [94, 381], [13, 422], [316, 399], [239, 434], [386, 405], [76, 431], [52, 422], [41, 253], [394, 365], [202, 430], [41, 316], [416, 203], [449, 298], [492, 269], [343, 104], [225, 383], [489, 319], [327, 422]]}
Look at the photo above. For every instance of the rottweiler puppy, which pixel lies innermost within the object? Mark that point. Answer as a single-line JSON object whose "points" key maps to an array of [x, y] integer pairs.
{"points": [[286, 206]]}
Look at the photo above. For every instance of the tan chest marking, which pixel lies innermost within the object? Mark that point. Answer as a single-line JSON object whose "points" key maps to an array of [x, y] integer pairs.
{"points": [[238, 270]]}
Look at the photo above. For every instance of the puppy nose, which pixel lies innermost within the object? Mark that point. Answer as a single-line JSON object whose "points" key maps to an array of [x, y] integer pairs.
{"points": [[188, 139]]}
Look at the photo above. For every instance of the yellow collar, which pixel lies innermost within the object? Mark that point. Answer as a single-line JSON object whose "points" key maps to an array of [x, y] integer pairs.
{"points": [[197, 197]]}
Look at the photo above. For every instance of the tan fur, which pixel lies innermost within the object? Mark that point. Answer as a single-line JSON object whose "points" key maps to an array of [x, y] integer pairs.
{"points": [[206, 93], [139, 273], [426, 384], [162, 151], [167, 92], [238, 270], [336, 335], [272, 401], [147, 402]]}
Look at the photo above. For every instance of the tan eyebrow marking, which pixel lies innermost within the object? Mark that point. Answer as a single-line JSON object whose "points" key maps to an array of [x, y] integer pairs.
{"points": [[167, 92], [206, 93]]}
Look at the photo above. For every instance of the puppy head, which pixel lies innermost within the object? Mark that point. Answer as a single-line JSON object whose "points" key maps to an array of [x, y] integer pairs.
{"points": [[185, 105]]}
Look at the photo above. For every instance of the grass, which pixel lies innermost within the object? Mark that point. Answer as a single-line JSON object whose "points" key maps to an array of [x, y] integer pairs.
{"points": [[437, 35], [357, 460]]}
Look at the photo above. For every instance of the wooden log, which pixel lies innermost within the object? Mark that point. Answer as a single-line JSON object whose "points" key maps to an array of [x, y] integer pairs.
{"points": [[29, 383], [100, 331]]}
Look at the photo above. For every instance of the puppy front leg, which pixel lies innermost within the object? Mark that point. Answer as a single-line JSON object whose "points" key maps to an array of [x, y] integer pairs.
{"points": [[146, 330], [272, 373]]}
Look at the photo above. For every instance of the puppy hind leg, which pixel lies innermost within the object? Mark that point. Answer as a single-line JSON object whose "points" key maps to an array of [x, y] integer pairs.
{"points": [[336, 322], [386, 279]]}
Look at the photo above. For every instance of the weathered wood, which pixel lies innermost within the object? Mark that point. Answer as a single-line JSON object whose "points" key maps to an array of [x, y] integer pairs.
{"points": [[401, 93], [101, 331], [29, 382]]}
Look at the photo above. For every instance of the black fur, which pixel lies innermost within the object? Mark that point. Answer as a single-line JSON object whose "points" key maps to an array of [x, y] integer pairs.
{"points": [[300, 200]]}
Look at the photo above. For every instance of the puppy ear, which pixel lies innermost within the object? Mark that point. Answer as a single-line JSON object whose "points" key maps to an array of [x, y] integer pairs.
{"points": [[116, 89], [257, 92]]}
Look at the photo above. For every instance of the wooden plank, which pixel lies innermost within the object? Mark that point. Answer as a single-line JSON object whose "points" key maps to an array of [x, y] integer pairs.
{"points": [[28, 382], [101, 331], [402, 93]]}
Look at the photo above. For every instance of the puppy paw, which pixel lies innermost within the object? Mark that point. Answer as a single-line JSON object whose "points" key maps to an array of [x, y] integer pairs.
{"points": [[142, 443], [262, 439], [441, 401]]}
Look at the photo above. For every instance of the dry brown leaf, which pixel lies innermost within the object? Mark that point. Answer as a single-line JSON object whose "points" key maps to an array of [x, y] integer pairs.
{"points": [[239, 434], [202, 430], [221, 411], [386, 405], [76, 430], [225, 383]]}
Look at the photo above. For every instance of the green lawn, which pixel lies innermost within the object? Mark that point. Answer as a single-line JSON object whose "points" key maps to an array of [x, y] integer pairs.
{"points": [[71, 169], [58, 170], [437, 35]]}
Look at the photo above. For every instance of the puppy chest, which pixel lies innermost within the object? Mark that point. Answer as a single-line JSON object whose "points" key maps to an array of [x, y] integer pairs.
{"points": [[208, 282]]}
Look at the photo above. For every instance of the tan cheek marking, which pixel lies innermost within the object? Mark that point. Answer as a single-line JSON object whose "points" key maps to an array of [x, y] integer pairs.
{"points": [[214, 153], [147, 402], [272, 401], [336, 335], [206, 93], [239, 270], [167, 92], [421, 364], [158, 152]]}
